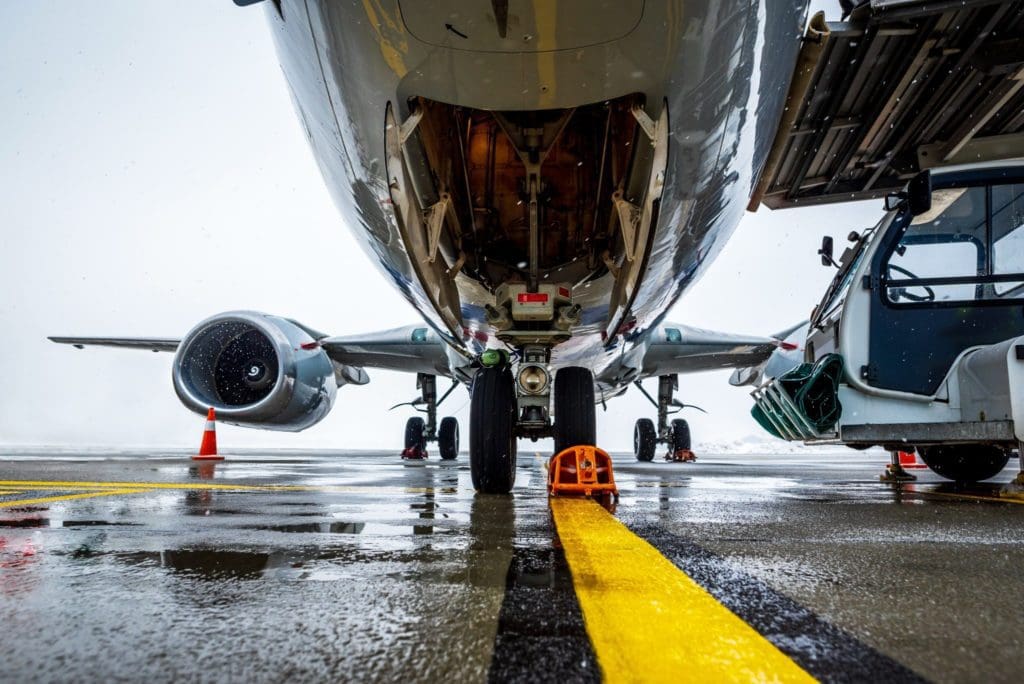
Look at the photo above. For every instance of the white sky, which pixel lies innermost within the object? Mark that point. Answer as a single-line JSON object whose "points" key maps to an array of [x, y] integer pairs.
{"points": [[152, 172]]}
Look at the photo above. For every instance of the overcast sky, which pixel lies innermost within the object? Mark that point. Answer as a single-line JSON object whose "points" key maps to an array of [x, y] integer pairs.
{"points": [[152, 172]]}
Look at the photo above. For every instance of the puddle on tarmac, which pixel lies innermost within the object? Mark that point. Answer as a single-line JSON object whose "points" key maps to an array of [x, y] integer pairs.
{"points": [[377, 529]]}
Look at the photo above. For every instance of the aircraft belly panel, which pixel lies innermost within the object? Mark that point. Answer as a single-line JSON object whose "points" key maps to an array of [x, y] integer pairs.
{"points": [[520, 25]]}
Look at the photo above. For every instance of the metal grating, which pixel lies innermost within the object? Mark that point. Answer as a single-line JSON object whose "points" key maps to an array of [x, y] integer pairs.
{"points": [[898, 88]]}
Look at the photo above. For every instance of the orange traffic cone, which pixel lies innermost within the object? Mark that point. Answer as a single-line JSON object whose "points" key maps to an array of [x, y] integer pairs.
{"points": [[208, 448], [908, 459]]}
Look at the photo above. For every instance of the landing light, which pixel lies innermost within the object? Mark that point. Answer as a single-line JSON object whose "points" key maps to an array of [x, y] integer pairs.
{"points": [[533, 379]]}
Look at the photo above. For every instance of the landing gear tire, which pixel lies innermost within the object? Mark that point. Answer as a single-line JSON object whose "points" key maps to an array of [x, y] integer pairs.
{"points": [[680, 435], [414, 438], [448, 438], [575, 412], [965, 463], [645, 439], [492, 439]]}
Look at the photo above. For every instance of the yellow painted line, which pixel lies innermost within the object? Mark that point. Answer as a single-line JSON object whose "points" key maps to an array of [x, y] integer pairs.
{"points": [[68, 497], [647, 620], [209, 486]]}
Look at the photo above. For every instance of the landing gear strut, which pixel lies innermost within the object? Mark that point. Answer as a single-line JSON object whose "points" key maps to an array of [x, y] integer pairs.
{"points": [[676, 435], [418, 432]]}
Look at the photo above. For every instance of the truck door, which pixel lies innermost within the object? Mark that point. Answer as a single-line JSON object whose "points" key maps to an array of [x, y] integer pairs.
{"points": [[946, 280]]}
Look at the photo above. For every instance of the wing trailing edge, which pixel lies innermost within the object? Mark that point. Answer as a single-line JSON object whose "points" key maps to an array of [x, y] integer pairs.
{"points": [[156, 344]]}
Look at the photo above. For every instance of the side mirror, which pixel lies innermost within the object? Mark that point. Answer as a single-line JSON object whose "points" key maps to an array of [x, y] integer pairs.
{"points": [[826, 250], [919, 193]]}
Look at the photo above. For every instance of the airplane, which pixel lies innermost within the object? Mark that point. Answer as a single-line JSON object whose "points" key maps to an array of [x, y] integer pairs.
{"points": [[541, 181]]}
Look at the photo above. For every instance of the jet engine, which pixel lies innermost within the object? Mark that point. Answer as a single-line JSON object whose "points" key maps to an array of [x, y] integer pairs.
{"points": [[256, 370]]}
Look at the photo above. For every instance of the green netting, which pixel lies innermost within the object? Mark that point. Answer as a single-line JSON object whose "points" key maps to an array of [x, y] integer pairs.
{"points": [[814, 390]]}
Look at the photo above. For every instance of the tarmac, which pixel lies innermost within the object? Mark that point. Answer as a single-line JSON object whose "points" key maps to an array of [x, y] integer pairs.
{"points": [[357, 566]]}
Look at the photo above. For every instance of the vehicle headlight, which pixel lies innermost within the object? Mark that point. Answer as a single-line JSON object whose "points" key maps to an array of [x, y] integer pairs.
{"points": [[533, 379]]}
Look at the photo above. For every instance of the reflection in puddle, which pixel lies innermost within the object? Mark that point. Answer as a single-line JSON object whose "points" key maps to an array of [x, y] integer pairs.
{"points": [[215, 564], [25, 522], [98, 523], [203, 471], [317, 528], [372, 528]]}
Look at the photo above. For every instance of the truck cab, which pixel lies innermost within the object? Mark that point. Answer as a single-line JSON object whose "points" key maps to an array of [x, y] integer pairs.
{"points": [[919, 340]]}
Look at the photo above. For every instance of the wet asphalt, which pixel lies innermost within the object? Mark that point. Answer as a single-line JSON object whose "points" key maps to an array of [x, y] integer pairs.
{"points": [[360, 567]]}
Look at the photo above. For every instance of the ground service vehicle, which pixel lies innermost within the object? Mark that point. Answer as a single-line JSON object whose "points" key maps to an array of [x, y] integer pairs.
{"points": [[919, 340]]}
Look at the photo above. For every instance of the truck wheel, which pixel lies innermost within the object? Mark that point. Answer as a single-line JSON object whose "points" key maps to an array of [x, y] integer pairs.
{"points": [[965, 462]]}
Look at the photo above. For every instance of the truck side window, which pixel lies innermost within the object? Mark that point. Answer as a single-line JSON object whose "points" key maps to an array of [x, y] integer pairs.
{"points": [[948, 241], [1008, 237]]}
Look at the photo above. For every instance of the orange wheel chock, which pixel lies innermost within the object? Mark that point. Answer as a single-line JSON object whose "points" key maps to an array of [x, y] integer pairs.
{"points": [[583, 469]]}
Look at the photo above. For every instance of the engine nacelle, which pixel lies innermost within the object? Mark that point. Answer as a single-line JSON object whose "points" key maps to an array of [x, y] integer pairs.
{"points": [[256, 371]]}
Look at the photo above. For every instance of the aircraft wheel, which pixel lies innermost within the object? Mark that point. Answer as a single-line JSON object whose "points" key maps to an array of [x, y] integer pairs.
{"points": [[645, 439], [492, 439], [575, 412], [965, 463], [448, 438], [414, 434], [680, 435]]}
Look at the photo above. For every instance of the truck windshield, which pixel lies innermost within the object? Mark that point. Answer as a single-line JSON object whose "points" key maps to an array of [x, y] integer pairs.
{"points": [[968, 247]]}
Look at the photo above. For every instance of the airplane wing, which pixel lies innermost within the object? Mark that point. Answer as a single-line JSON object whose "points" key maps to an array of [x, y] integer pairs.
{"points": [[788, 355], [157, 344], [411, 349], [899, 87], [685, 349]]}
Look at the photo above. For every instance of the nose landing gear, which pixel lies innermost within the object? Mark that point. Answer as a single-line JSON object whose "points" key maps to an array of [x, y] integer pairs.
{"points": [[676, 435], [499, 415], [418, 432]]}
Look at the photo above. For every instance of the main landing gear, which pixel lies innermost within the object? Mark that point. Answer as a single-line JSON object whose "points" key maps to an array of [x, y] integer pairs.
{"points": [[418, 432], [676, 435]]}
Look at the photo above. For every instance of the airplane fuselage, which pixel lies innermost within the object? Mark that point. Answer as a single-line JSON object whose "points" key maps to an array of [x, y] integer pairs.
{"points": [[710, 78]]}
